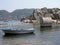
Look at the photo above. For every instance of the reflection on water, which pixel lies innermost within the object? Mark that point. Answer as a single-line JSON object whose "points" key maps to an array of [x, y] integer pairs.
{"points": [[41, 36], [42, 29]]}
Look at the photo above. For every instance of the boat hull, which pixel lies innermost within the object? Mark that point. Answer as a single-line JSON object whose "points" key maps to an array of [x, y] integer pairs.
{"points": [[23, 31], [46, 24], [17, 32]]}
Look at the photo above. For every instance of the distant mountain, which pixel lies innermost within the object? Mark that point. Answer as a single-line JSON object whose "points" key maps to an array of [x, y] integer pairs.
{"points": [[19, 13], [4, 15], [15, 15]]}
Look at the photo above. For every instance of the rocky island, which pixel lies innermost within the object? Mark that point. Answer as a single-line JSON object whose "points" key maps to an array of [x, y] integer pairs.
{"points": [[54, 13]]}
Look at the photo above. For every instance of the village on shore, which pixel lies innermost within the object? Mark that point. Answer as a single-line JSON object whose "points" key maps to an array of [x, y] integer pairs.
{"points": [[44, 14]]}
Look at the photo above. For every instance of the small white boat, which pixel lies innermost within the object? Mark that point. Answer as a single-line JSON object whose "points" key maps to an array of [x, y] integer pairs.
{"points": [[18, 31], [16, 27], [46, 21]]}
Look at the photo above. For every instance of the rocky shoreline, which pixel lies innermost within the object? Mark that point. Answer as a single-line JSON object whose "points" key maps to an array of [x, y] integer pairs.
{"points": [[54, 13]]}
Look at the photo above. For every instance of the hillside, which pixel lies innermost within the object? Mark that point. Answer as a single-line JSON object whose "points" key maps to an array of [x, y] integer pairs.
{"points": [[20, 13], [4, 15], [15, 15]]}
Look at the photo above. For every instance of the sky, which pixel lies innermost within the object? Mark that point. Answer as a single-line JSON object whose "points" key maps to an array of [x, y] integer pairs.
{"points": [[11, 5]]}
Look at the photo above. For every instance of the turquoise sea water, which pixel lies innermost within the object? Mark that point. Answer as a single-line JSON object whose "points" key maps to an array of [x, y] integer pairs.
{"points": [[41, 36]]}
